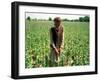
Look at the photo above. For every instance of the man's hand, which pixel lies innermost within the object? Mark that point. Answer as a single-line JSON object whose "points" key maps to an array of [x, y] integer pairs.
{"points": [[57, 52]]}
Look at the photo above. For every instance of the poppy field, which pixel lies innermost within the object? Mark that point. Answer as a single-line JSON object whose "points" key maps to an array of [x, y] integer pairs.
{"points": [[37, 44]]}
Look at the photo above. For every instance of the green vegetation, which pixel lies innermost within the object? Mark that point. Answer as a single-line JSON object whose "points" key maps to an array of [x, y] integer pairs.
{"points": [[37, 44]]}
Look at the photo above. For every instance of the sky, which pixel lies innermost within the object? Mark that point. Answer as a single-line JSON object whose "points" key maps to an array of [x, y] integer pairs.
{"points": [[52, 15]]}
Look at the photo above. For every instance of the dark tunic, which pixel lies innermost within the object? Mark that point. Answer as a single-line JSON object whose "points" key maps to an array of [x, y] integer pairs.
{"points": [[57, 36], [57, 40]]}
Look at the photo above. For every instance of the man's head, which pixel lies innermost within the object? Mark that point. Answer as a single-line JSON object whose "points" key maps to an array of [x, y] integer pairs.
{"points": [[57, 21]]}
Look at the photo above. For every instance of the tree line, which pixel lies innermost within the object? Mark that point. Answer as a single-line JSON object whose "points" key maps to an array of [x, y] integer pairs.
{"points": [[80, 19]]}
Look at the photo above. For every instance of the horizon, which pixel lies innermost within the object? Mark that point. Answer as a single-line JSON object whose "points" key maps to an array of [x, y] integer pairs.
{"points": [[46, 16]]}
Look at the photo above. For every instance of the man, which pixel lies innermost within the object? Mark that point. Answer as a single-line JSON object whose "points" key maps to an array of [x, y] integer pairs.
{"points": [[57, 41]]}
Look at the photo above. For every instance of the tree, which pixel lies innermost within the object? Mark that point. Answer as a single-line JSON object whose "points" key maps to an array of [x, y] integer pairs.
{"points": [[65, 19], [28, 18], [50, 19], [86, 19], [35, 19], [76, 20], [81, 19]]}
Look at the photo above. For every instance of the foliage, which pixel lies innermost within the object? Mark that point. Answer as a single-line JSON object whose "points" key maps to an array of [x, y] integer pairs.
{"points": [[50, 19], [84, 19], [28, 18], [37, 44]]}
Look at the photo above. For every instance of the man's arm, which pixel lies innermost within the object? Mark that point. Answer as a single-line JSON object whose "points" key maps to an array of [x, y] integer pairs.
{"points": [[62, 44]]}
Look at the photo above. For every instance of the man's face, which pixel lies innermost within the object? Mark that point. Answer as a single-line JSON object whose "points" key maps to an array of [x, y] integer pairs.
{"points": [[57, 23]]}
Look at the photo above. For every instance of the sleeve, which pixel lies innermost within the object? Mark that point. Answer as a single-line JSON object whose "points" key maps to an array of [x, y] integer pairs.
{"points": [[62, 44], [51, 40]]}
